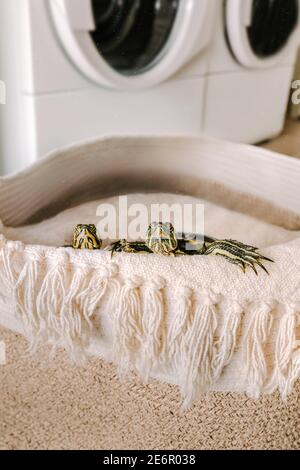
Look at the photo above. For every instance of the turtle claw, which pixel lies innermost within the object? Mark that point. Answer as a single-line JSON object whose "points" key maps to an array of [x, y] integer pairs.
{"points": [[238, 253], [254, 269], [262, 266]]}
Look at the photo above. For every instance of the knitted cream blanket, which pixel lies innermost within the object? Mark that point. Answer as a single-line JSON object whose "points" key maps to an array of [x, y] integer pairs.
{"points": [[195, 321]]}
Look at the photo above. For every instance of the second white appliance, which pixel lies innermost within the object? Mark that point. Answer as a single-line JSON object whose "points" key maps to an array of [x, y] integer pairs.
{"points": [[251, 63]]}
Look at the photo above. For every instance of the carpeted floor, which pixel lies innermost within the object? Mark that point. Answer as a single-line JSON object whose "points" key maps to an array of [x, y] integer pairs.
{"points": [[51, 404]]}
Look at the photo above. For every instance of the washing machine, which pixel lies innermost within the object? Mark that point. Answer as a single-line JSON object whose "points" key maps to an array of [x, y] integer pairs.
{"points": [[77, 70], [251, 62]]}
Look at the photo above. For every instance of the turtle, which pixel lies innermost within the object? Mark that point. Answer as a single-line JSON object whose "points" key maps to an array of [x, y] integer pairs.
{"points": [[161, 239], [85, 237]]}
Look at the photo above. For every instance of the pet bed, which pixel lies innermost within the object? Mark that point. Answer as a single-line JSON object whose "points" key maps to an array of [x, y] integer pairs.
{"points": [[197, 322]]}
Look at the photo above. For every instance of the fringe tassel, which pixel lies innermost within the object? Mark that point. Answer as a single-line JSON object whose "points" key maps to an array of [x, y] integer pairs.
{"points": [[55, 301], [21, 286], [228, 336], [198, 373], [24, 295], [50, 305], [68, 314], [8, 274], [90, 296], [71, 323], [153, 327], [178, 328], [128, 329], [287, 352], [256, 337]]}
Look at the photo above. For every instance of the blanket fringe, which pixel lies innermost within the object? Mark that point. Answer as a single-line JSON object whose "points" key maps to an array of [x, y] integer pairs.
{"points": [[256, 337], [228, 337], [287, 352], [197, 367], [178, 327], [57, 300], [128, 327], [153, 324], [24, 299]]}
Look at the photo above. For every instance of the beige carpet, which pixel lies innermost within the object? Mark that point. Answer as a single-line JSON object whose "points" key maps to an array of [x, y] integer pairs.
{"points": [[51, 404]]}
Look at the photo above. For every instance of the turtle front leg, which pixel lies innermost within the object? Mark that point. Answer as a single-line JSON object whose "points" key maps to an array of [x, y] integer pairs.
{"points": [[124, 246], [237, 253]]}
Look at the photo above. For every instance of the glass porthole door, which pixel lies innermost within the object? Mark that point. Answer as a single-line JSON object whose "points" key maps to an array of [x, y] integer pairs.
{"points": [[132, 44], [260, 31], [132, 35]]}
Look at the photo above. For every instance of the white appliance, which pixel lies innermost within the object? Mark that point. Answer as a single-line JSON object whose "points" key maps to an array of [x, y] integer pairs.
{"points": [[251, 62], [148, 79], [218, 67]]}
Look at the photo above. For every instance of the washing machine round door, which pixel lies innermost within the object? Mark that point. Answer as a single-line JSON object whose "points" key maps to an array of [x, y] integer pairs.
{"points": [[132, 44], [260, 32]]}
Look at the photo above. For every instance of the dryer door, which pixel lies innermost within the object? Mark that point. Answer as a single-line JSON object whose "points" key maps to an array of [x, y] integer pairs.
{"points": [[261, 33], [132, 43]]}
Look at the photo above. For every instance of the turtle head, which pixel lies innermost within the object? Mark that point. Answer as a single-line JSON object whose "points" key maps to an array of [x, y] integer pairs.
{"points": [[85, 236], [161, 238]]}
